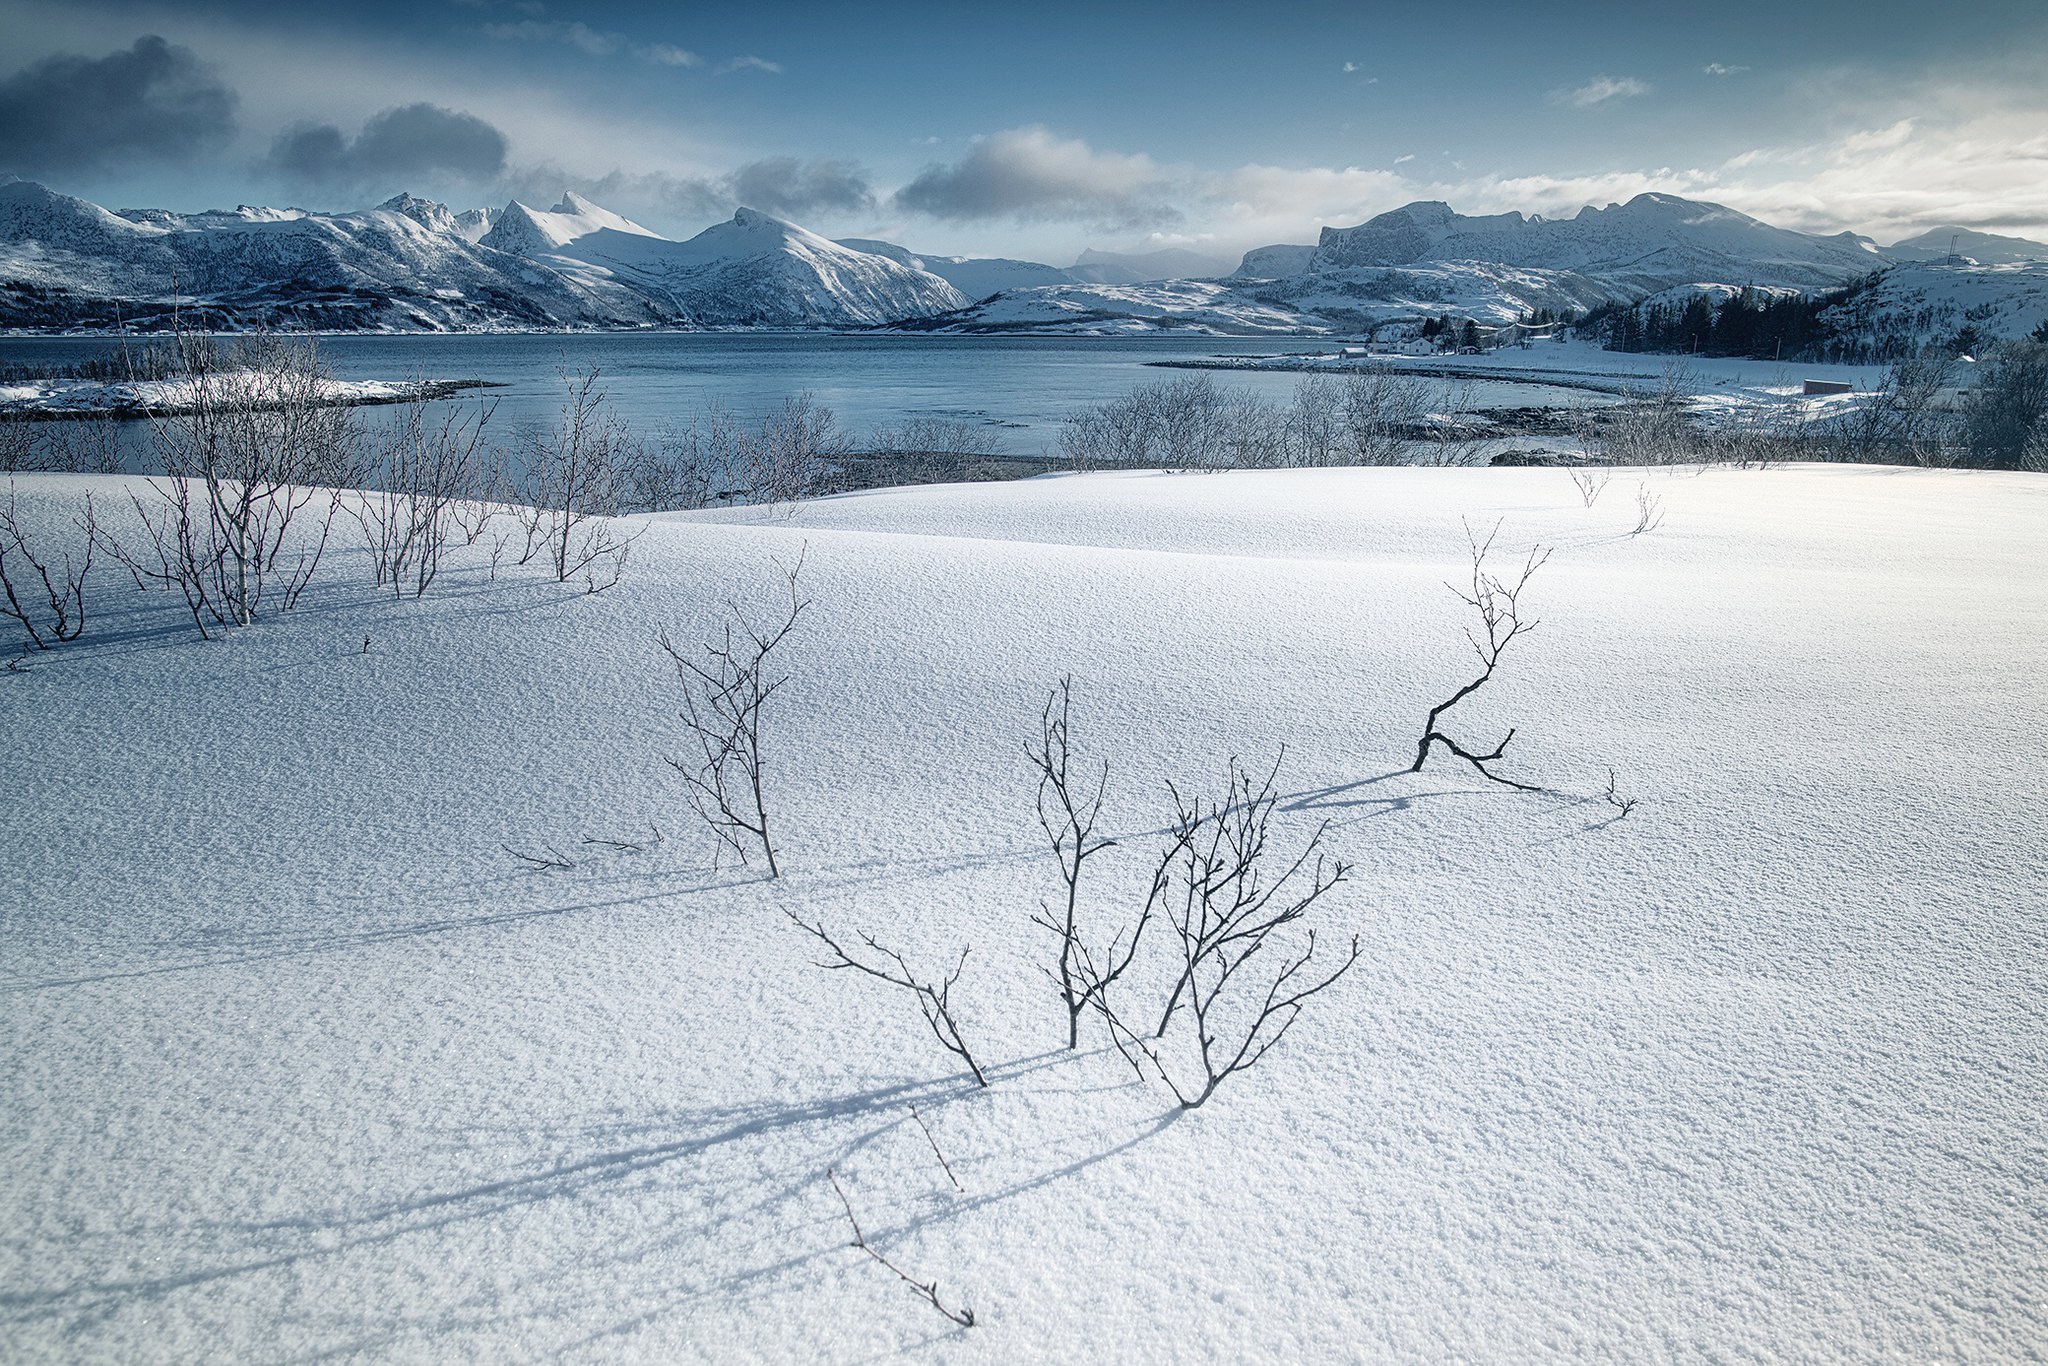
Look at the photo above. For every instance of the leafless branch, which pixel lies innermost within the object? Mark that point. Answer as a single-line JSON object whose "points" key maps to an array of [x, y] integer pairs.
{"points": [[550, 860], [934, 996], [935, 1150], [928, 1291], [1622, 805], [1067, 812], [1225, 908], [1497, 601], [63, 586], [725, 694]]}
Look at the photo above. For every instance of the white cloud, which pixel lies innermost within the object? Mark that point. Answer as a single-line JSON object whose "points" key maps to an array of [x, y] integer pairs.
{"points": [[1722, 69], [576, 34], [1599, 90], [1350, 67], [1031, 174], [750, 64], [668, 54]]}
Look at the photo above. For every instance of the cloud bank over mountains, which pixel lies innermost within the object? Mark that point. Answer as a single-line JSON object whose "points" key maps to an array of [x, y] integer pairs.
{"points": [[1891, 162]]}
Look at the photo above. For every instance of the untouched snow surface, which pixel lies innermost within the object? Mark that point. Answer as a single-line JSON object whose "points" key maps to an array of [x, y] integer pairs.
{"points": [[296, 1062]]}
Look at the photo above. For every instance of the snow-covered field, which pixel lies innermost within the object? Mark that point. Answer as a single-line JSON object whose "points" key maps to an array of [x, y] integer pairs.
{"points": [[296, 1062]]}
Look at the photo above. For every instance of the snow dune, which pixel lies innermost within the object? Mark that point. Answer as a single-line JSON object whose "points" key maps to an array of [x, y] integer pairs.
{"points": [[297, 1063]]}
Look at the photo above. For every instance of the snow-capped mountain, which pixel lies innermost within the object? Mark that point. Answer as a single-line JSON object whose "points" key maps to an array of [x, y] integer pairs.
{"points": [[1980, 248], [412, 264], [751, 271], [1653, 239], [1426, 258], [977, 277]]}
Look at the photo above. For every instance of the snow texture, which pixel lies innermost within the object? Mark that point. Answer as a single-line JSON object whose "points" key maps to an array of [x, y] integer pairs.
{"points": [[298, 1063]]}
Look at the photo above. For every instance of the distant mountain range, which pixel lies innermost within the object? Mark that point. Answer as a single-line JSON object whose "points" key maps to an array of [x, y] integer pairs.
{"points": [[415, 265]]}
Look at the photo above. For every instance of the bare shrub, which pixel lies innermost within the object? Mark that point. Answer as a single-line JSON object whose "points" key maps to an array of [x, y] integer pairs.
{"points": [[934, 995], [431, 475], [1186, 423], [253, 467], [2006, 420], [80, 445], [1226, 907], [1649, 510], [928, 448], [1590, 483], [1613, 797], [928, 1291], [1496, 601], [1067, 811], [797, 448], [725, 695], [1903, 419], [59, 616], [1656, 429], [572, 488]]}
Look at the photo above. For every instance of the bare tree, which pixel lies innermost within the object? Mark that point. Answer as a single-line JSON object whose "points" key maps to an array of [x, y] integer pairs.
{"points": [[1067, 812], [934, 995], [62, 586], [928, 1291], [1226, 907], [432, 476], [1497, 602], [725, 693], [256, 442], [572, 488]]}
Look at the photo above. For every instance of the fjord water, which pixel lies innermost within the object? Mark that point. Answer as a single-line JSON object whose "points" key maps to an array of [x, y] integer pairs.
{"points": [[1021, 387]]}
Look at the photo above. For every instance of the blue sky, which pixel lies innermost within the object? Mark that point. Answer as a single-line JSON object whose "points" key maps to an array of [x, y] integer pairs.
{"points": [[1041, 129]]}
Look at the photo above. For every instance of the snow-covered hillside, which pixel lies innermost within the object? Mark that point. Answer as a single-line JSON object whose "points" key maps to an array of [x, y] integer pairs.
{"points": [[299, 1063], [1980, 248], [1654, 240], [413, 264], [977, 277], [1921, 303], [1424, 259]]}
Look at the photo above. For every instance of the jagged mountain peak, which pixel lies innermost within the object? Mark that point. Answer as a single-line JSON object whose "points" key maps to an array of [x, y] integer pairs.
{"points": [[429, 214]]}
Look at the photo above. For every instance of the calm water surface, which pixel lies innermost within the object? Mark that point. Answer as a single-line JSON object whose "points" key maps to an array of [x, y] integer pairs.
{"points": [[1023, 387]]}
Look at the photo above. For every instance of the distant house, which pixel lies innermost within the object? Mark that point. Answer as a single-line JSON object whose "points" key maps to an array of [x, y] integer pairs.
{"points": [[1829, 386]]}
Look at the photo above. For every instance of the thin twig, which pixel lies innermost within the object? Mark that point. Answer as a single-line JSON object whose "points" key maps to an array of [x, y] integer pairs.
{"points": [[928, 1291], [935, 1150]]}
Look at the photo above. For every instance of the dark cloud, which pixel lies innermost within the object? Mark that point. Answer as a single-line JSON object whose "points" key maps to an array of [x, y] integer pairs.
{"points": [[789, 187], [151, 102], [412, 141], [1029, 174]]}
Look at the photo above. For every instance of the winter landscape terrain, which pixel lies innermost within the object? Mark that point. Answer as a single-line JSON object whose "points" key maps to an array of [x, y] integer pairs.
{"points": [[1135, 683], [412, 264], [302, 1062]]}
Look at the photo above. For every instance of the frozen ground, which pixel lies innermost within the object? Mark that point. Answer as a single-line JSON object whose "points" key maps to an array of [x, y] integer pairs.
{"points": [[296, 1063]]}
